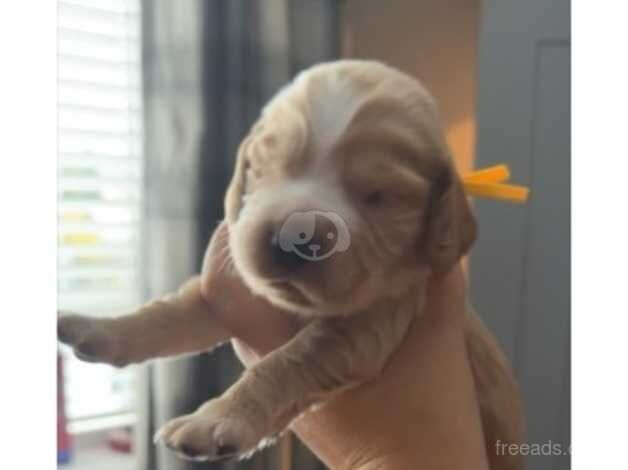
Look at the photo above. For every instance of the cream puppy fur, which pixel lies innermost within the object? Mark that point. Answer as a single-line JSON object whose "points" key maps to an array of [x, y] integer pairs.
{"points": [[343, 203]]}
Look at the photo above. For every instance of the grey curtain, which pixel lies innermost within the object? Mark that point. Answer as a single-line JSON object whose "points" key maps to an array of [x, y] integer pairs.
{"points": [[209, 65]]}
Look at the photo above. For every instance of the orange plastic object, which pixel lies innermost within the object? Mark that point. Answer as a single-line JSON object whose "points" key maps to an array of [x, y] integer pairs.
{"points": [[491, 183]]}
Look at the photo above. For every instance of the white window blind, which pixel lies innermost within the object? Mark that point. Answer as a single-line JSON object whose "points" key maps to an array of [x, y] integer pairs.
{"points": [[100, 182]]}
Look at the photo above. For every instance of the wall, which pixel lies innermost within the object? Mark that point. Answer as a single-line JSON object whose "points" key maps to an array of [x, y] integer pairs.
{"points": [[433, 40]]}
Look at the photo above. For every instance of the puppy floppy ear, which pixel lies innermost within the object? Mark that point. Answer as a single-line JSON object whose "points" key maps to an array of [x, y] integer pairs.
{"points": [[451, 228], [235, 191], [237, 186]]}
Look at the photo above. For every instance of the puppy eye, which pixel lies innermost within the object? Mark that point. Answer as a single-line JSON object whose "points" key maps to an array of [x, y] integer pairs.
{"points": [[375, 198]]}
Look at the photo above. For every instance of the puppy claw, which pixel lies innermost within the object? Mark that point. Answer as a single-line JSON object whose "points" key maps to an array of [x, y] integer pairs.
{"points": [[226, 450], [85, 357], [87, 350], [189, 452]]}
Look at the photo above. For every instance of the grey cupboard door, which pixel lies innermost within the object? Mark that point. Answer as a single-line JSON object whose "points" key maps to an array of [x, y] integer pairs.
{"points": [[520, 266]]}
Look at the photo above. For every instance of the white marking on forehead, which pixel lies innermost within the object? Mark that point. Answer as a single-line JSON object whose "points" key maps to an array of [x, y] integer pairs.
{"points": [[332, 104], [317, 107]]}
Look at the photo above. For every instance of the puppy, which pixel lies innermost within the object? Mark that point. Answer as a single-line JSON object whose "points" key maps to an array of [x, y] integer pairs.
{"points": [[343, 203]]}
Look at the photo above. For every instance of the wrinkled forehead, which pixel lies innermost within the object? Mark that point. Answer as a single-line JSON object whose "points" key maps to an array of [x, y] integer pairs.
{"points": [[331, 116]]}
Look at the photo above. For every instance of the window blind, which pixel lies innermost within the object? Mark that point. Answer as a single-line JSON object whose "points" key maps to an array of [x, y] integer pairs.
{"points": [[100, 165]]}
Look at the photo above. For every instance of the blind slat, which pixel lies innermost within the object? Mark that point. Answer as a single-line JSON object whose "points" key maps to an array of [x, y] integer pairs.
{"points": [[91, 36], [101, 78], [95, 61], [109, 10]]}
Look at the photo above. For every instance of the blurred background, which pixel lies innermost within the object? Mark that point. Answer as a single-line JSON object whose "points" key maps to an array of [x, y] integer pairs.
{"points": [[154, 97]]}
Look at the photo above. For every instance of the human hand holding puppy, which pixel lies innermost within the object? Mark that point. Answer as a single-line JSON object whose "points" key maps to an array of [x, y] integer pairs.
{"points": [[327, 339]]}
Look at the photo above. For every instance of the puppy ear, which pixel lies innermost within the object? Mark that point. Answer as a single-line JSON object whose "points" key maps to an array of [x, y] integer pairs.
{"points": [[235, 191], [451, 228], [237, 187]]}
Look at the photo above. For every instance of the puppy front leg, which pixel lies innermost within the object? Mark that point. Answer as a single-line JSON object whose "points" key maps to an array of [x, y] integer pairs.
{"points": [[179, 323], [325, 357]]}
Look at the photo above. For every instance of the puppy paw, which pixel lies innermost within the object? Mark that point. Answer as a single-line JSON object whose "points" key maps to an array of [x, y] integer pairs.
{"points": [[218, 430], [92, 339]]}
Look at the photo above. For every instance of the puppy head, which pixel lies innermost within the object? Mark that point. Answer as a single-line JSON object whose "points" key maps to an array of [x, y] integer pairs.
{"points": [[344, 191]]}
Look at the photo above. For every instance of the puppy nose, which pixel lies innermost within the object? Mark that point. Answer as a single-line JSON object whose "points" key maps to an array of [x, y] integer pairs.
{"points": [[289, 261]]}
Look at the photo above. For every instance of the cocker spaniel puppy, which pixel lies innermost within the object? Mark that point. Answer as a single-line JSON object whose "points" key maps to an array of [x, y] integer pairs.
{"points": [[344, 202]]}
